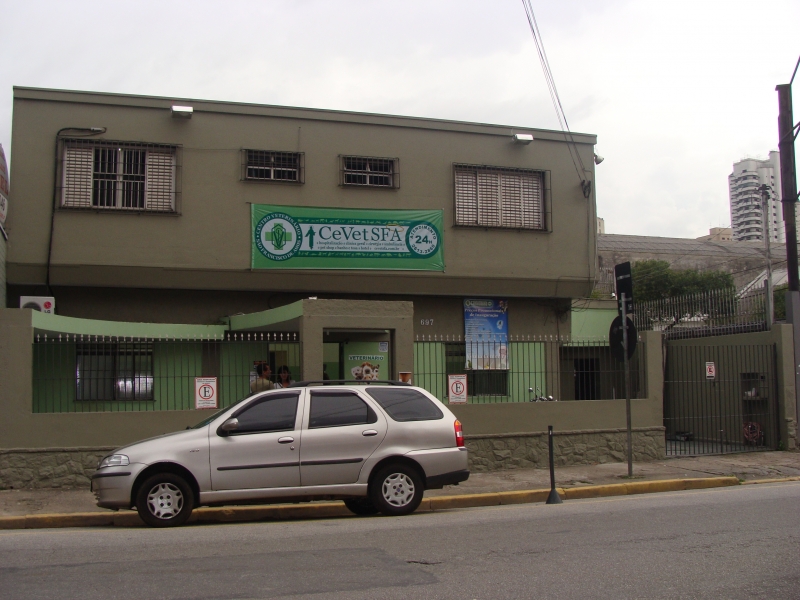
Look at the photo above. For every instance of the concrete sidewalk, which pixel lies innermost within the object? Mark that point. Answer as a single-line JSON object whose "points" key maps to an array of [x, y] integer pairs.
{"points": [[745, 467]]}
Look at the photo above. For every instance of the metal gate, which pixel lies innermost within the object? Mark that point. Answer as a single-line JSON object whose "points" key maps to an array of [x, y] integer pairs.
{"points": [[720, 399]]}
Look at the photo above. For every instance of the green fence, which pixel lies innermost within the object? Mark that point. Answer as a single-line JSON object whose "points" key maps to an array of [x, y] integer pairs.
{"points": [[526, 369], [109, 374]]}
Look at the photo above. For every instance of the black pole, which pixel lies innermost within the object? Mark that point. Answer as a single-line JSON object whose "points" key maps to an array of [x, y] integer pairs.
{"points": [[553, 498], [789, 202], [627, 385], [788, 181]]}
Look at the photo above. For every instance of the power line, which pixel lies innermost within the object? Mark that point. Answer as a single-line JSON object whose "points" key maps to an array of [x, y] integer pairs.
{"points": [[551, 86]]}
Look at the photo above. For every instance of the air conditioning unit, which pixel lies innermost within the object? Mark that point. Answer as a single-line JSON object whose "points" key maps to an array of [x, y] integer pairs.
{"points": [[45, 304]]}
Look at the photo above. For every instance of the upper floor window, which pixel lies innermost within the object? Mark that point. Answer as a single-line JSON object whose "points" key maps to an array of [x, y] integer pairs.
{"points": [[119, 175], [370, 172], [268, 165], [499, 197]]}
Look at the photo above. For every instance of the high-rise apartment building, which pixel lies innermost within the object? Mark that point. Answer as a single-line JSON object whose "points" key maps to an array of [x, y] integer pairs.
{"points": [[747, 215]]}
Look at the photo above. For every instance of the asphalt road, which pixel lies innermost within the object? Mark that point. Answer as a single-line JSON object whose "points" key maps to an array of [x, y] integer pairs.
{"points": [[741, 542]]}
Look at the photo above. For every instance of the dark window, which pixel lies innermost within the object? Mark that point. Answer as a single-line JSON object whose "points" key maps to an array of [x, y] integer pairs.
{"points": [[275, 412], [335, 409], [114, 371], [404, 404], [480, 382]]}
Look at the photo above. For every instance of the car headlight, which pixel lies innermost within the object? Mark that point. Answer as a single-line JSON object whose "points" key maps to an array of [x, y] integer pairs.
{"points": [[114, 460]]}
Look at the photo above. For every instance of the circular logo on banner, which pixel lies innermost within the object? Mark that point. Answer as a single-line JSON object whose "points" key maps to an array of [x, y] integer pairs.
{"points": [[278, 236], [422, 239]]}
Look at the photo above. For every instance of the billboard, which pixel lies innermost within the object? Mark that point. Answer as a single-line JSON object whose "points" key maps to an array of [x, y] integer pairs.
{"points": [[292, 237]]}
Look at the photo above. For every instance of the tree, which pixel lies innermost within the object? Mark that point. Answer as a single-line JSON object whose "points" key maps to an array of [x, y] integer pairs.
{"points": [[654, 279]]}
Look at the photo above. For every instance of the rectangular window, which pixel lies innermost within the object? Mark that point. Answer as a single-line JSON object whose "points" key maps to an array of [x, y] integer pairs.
{"points": [[267, 165], [370, 172], [337, 409], [485, 382], [118, 176], [114, 371], [499, 197]]}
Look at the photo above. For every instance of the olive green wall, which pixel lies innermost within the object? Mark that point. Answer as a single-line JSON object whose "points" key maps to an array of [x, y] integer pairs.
{"points": [[207, 247], [586, 415]]}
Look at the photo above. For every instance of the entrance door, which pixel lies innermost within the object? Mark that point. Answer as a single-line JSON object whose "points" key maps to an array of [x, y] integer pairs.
{"points": [[340, 432], [264, 452]]}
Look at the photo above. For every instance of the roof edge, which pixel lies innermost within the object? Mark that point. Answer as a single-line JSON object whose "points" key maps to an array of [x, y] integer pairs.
{"points": [[253, 109]]}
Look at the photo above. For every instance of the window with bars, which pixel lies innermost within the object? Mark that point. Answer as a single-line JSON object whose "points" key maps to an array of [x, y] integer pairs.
{"points": [[499, 197], [485, 382], [364, 171], [118, 175], [114, 371], [268, 165]]}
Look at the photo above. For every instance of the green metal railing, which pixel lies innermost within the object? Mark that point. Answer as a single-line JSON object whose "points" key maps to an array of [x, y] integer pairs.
{"points": [[74, 373]]}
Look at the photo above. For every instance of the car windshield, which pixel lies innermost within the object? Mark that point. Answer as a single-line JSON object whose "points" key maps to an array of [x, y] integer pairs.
{"points": [[208, 420]]}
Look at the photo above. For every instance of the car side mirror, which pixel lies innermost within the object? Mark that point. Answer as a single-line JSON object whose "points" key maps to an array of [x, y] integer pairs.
{"points": [[228, 426]]}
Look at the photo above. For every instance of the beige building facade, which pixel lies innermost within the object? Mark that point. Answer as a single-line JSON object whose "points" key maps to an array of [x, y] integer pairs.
{"points": [[146, 214]]}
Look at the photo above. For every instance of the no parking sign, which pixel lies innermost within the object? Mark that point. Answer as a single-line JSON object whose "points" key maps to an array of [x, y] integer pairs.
{"points": [[205, 392], [457, 389]]}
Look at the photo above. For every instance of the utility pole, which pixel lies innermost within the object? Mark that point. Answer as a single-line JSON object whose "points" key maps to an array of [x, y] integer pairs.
{"points": [[767, 213], [788, 181], [789, 202]]}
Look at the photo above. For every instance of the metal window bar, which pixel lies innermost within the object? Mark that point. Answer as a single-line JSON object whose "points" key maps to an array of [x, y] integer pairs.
{"points": [[119, 176], [366, 171], [500, 197], [270, 165], [733, 411], [74, 373], [710, 313], [526, 368]]}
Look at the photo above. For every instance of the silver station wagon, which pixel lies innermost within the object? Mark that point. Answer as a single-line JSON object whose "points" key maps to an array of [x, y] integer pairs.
{"points": [[377, 447]]}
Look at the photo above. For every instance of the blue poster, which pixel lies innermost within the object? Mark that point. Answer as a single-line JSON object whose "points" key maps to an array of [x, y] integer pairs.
{"points": [[486, 333]]}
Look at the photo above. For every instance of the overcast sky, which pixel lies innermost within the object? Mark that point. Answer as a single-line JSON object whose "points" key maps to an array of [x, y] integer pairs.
{"points": [[675, 91]]}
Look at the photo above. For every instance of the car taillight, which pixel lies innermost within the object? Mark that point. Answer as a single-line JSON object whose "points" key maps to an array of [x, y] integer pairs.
{"points": [[459, 434]]}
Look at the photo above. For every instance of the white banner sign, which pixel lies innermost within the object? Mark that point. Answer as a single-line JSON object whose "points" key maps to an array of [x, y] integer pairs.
{"points": [[457, 389], [205, 392]]}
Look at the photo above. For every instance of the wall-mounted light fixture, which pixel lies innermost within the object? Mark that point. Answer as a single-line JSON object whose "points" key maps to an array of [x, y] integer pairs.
{"points": [[523, 138], [598, 159], [182, 112]]}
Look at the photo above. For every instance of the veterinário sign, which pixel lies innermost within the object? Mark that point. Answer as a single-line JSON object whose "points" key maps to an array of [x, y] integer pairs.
{"points": [[291, 237]]}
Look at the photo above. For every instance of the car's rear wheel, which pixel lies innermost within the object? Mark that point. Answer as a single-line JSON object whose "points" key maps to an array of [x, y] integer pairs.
{"points": [[397, 490], [164, 500], [361, 506]]}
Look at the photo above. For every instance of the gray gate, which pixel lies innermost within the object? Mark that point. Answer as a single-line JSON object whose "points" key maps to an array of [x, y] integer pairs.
{"points": [[720, 399]]}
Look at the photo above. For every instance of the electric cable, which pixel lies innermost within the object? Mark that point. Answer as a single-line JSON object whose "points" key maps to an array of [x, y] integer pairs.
{"points": [[554, 97]]}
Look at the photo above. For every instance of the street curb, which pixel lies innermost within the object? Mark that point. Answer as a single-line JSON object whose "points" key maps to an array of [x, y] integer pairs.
{"points": [[322, 510], [776, 480]]}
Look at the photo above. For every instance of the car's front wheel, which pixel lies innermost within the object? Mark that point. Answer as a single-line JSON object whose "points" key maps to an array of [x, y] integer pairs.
{"points": [[164, 500], [397, 490]]}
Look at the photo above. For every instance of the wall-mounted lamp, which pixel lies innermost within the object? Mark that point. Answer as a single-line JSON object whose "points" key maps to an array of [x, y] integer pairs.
{"points": [[598, 159], [182, 112], [523, 138]]}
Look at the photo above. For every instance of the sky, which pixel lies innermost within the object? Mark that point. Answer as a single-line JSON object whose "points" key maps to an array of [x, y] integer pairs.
{"points": [[675, 91]]}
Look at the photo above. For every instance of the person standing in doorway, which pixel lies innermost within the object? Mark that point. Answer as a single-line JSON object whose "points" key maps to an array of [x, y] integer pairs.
{"points": [[262, 382], [284, 377]]}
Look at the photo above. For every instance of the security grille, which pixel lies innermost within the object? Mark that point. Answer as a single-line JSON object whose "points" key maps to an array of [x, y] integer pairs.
{"points": [[499, 197], [114, 371], [267, 165], [119, 175], [370, 172]]}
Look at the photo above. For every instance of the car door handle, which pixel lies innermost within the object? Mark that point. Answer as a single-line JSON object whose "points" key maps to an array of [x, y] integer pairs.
{"points": [[285, 440], [369, 432]]}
